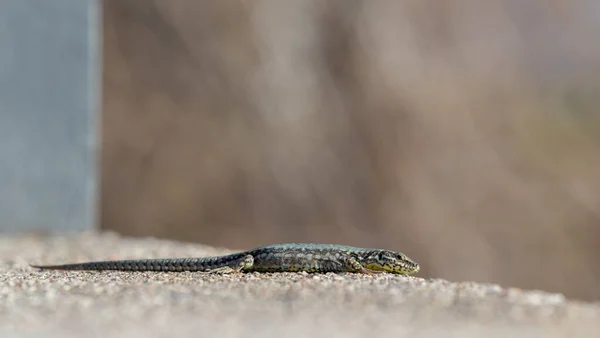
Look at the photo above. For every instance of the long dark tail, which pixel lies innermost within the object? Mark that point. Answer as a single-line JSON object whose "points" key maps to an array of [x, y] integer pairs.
{"points": [[169, 264]]}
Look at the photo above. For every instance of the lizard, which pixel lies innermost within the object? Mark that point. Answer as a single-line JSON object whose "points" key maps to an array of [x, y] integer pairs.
{"points": [[288, 257]]}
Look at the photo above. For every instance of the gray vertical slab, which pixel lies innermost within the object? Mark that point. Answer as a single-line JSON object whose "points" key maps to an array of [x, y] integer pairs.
{"points": [[49, 99]]}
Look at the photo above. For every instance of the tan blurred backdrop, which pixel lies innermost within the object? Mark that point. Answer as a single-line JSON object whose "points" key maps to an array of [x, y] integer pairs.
{"points": [[465, 134]]}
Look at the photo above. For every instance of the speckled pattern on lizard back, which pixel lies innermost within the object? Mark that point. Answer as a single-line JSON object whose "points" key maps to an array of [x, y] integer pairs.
{"points": [[290, 257]]}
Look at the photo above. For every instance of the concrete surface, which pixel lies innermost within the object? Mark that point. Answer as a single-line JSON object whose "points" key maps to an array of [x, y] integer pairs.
{"points": [[117, 304]]}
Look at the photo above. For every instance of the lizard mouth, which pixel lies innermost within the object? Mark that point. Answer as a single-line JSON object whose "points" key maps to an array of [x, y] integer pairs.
{"points": [[403, 269], [410, 268]]}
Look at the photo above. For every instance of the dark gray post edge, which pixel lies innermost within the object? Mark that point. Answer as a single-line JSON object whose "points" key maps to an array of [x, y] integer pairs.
{"points": [[50, 82]]}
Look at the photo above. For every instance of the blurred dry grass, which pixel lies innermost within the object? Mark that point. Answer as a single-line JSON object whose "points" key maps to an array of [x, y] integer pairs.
{"points": [[466, 134]]}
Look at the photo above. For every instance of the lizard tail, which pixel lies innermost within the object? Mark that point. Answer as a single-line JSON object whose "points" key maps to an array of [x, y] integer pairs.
{"points": [[104, 265], [124, 265]]}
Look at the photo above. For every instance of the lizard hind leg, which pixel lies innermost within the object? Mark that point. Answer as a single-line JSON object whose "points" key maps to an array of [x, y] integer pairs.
{"points": [[242, 264]]}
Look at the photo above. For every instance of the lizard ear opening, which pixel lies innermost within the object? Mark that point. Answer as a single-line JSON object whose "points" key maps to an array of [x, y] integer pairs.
{"points": [[379, 256]]}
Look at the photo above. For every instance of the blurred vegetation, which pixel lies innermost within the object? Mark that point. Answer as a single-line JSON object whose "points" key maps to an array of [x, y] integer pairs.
{"points": [[465, 134]]}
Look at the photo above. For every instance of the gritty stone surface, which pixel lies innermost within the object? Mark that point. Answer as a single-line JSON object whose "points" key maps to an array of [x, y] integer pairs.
{"points": [[37, 303]]}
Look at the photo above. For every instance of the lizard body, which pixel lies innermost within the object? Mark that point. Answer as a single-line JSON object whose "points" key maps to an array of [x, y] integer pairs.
{"points": [[291, 257]]}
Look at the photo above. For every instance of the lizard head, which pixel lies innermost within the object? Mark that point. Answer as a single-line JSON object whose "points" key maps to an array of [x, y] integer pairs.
{"points": [[390, 261]]}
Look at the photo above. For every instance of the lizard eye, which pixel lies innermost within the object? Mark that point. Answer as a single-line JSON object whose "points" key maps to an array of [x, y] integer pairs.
{"points": [[379, 257]]}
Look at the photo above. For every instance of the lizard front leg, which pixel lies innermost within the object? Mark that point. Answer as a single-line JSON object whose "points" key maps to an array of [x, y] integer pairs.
{"points": [[355, 266]]}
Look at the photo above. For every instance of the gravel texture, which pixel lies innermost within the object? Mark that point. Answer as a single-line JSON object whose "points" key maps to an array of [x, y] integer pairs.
{"points": [[37, 303]]}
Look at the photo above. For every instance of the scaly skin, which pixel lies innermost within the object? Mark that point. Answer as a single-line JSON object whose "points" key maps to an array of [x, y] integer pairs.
{"points": [[294, 257]]}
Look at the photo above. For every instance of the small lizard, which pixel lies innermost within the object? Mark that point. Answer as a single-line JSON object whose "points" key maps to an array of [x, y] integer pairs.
{"points": [[315, 258]]}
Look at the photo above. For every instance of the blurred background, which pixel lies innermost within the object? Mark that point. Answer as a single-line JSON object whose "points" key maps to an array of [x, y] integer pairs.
{"points": [[465, 134]]}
